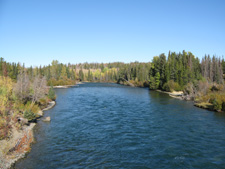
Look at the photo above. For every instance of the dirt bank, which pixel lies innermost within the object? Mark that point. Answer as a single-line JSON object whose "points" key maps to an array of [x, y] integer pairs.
{"points": [[15, 147]]}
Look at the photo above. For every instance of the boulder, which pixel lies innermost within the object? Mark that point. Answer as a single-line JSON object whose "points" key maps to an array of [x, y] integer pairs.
{"points": [[40, 113], [23, 121], [47, 119]]}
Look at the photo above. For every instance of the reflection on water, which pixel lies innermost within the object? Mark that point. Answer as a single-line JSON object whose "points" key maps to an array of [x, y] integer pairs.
{"points": [[99, 125]]}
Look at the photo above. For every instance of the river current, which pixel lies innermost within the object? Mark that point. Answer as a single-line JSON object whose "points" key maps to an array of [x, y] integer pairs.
{"points": [[103, 125]]}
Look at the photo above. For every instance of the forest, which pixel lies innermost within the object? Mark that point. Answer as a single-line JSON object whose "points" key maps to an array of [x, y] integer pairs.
{"points": [[24, 91]]}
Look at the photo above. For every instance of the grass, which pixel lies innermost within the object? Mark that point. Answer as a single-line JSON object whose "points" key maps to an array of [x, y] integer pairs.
{"points": [[205, 105]]}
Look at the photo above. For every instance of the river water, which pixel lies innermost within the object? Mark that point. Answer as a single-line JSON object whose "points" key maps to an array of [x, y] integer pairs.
{"points": [[99, 125]]}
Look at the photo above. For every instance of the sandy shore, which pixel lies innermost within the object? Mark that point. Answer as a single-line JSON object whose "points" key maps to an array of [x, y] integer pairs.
{"points": [[80, 83], [174, 94], [18, 144], [50, 105], [63, 87]]}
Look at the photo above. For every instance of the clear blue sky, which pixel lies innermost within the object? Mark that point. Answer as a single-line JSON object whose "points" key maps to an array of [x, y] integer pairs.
{"points": [[35, 32]]}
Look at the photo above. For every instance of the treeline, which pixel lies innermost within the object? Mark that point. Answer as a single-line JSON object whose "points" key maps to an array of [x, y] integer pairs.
{"points": [[175, 71], [164, 72], [172, 72], [113, 72], [55, 74]]}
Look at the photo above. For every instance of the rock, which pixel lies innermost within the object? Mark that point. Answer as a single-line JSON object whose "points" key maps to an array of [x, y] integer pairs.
{"points": [[40, 113], [47, 119], [23, 120]]}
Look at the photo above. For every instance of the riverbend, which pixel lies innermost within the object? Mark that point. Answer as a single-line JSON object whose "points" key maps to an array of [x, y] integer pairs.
{"points": [[96, 125]]}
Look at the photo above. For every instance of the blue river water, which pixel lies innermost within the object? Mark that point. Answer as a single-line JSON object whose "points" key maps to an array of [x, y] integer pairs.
{"points": [[103, 125]]}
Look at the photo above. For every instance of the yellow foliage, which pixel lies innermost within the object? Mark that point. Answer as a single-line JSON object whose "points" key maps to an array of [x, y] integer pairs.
{"points": [[6, 86], [64, 81]]}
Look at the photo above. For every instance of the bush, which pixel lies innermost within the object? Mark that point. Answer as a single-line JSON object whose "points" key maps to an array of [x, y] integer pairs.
{"points": [[28, 114], [171, 86], [30, 111], [43, 101], [4, 127], [35, 109], [217, 87], [217, 104]]}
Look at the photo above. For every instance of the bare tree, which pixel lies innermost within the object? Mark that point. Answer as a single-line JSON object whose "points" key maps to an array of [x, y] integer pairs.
{"points": [[212, 69], [22, 86], [39, 89]]}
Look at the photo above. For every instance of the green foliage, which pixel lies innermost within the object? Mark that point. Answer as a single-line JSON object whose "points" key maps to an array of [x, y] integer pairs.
{"points": [[81, 75], [217, 104], [6, 90], [60, 82], [28, 114], [171, 86], [157, 80], [215, 97], [152, 83], [4, 127], [51, 93]]}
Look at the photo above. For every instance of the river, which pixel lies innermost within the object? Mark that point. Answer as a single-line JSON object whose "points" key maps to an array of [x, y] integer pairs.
{"points": [[103, 125]]}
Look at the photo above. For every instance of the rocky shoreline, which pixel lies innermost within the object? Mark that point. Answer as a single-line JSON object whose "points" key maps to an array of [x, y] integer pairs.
{"points": [[19, 143], [16, 147], [180, 95], [177, 95]]}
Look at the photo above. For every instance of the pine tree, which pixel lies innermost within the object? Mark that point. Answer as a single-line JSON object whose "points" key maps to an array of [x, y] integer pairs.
{"points": [[63, 73], [157, 80], [51, 93]]}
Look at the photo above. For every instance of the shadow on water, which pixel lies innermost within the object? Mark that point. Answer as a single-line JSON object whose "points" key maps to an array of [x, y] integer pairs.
{"points": [[99, 125]]}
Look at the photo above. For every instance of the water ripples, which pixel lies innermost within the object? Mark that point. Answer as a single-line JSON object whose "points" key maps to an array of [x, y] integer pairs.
{"points": [[114, 126]]}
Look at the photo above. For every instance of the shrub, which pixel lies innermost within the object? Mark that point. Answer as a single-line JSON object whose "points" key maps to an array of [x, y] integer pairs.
{"points": [[4, 127], [217, 87], [43, 101], [28, 114], [217, 104], [30, 111], [35, 109], [171, 86]]}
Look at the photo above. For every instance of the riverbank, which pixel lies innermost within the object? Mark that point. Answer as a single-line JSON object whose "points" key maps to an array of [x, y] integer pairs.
{"points": [[50, 105], [181, 96], [203, 105], [174, 94], [64, 86], [18, 144]]}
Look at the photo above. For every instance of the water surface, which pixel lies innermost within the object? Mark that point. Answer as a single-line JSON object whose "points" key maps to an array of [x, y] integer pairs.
{"points": [[100, 125]]}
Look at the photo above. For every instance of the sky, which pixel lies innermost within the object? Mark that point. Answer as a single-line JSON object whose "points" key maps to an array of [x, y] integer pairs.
{"points": [[35, 32]]}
